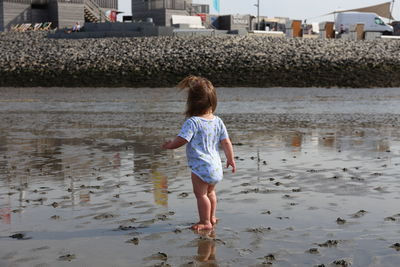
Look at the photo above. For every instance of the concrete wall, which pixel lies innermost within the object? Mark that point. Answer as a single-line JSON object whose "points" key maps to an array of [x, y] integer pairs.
{"points": [[69, 14], [53, 12], [118, 29], [15, 13], [158, 16], [40, 15], [138, 6], [117, 26]]}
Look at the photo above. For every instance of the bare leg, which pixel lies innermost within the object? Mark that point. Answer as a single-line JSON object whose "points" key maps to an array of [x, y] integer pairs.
{"points": [[200, 190], [213, 200]]}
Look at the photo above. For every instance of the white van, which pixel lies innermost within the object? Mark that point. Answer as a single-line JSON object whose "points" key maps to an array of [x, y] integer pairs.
{"points": [[372, 22]]}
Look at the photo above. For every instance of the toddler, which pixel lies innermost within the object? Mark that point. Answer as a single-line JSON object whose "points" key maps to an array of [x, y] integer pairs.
{"points": [[203, 132]]}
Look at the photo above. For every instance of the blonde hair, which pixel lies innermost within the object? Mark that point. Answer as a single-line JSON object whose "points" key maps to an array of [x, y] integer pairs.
{"points": [[201, 95]]}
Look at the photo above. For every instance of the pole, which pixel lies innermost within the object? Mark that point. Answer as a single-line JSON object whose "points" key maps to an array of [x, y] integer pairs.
{"points": [[391, 11], [258, 14]]}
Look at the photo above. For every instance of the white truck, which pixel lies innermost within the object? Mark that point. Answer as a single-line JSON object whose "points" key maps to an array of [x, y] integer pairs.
{"points": [[372, 22]]}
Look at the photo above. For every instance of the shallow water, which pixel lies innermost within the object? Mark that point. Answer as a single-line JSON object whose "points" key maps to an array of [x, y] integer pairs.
{"points": [[82, 173]]}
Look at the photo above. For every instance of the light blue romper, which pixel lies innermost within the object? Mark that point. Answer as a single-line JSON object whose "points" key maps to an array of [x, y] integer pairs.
{"points": [[203, 136]]}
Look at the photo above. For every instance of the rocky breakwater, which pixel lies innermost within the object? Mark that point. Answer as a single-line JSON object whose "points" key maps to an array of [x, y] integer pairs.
{"points": [[32, 59]]}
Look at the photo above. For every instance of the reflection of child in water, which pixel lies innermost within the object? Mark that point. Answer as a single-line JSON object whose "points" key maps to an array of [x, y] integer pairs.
{"points": [[203, 132], [206, 249]]}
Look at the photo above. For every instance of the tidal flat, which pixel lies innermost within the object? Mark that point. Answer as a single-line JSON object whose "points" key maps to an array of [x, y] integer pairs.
{"points": [[84, 182]]}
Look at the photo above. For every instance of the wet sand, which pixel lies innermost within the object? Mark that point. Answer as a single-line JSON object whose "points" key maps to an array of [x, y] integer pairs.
{"points": [[83, 181]]}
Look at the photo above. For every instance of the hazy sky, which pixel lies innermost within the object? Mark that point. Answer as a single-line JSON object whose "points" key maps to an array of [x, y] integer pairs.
{"points": [[295, 9]]}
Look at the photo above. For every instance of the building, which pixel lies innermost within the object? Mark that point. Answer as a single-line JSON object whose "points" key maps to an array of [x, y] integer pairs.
{"points": [[160, 11], [234, 22], [61, 13]]}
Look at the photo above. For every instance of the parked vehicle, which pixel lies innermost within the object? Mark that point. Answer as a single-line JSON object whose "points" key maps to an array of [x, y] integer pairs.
{"points": [[372, 22]]}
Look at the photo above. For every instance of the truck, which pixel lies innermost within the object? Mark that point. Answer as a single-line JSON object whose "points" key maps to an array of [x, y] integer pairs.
{"points": [[372, 22]]}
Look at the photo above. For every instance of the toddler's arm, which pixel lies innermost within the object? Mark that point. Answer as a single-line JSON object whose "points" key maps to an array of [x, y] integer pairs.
{"points": [[228, 150], [176, 143]]}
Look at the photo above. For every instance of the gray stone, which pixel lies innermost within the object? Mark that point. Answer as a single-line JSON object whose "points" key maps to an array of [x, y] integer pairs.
{"points": [[32, 59]]}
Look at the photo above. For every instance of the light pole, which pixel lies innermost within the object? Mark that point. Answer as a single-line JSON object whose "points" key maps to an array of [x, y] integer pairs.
{"points": [[258, 14], [391, 11]]}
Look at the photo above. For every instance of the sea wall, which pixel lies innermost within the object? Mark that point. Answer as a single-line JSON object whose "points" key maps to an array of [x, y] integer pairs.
{"points": [[32, 59]]}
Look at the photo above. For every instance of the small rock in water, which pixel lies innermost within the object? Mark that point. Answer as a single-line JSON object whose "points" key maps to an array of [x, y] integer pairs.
{"points": [[329, 243], [313, 251], [270, 257], [340, 221], [134, 241], [359, 214], [162, 264], [67, 257], [254, 190], [162, 256], [267, 263], [396, 246], [390, 219], [259, 230], [126, 228], [20, 236], [184, 194], [104, 216], [341, 263], [162, 217]]}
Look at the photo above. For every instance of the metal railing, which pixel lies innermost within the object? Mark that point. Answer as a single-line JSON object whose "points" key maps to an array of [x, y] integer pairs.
{"points": [[112, 4], [96, 10], [71, 1], [19, 1]]}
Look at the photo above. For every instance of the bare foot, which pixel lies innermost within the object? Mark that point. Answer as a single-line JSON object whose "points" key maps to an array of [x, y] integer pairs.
{"points": [[202, 226], [214, 220]]}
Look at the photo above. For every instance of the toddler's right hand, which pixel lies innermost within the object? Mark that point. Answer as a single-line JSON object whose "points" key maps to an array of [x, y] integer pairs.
{"points": [[231, 163], [165, 146]]}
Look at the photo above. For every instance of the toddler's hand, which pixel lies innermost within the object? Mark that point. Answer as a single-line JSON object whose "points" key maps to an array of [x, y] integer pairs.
{"points": [[231, 163]]}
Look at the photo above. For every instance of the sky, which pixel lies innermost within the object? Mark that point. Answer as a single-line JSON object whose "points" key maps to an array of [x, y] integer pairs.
{"points": [[294, 9]]}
